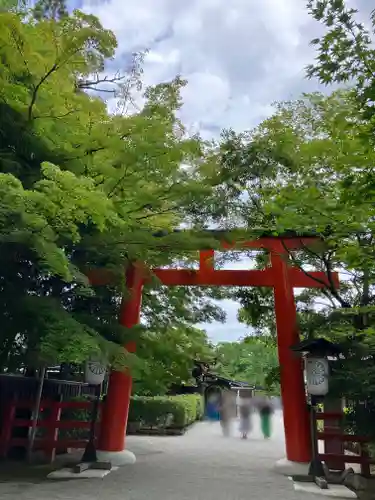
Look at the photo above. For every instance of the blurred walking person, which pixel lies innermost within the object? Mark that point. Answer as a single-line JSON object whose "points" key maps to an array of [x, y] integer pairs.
{"points": [[265, 412], [226, 412], [245, 411]]}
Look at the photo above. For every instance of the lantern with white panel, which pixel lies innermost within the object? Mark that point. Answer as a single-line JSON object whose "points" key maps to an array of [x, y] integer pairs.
{"points": [[95, 372], [315, 353], [317, 375]]}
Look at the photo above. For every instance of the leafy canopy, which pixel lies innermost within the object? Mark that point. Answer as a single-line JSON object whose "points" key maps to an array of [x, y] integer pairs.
{"points": [[84, 189]]}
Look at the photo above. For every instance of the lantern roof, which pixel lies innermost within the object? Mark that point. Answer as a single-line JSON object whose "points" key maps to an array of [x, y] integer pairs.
{"points": [[319, 346]]}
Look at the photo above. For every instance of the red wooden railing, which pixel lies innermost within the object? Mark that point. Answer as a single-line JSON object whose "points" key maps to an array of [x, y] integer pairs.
{"points": [[51, 442], [362, 458]]}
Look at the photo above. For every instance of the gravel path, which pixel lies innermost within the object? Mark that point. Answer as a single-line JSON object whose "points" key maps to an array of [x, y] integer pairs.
{"points": [[201, 465]]}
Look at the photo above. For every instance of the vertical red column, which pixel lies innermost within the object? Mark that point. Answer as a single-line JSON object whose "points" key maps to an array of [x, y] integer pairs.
{"points": [[296, 417], [116, 408], [206, 261]]}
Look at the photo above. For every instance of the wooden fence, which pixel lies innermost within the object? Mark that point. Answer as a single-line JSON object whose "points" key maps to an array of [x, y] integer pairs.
{"points": [[343, 457], [49, 422]]}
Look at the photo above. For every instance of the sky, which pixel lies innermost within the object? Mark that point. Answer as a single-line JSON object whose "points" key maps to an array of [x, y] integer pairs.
{"points": [[238, 56]]}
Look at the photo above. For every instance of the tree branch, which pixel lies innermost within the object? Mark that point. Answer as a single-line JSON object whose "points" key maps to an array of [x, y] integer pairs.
{"points": [[88, 84], [331, 286], [51, 117], [155, 214], [36, 89], [101, 90]]}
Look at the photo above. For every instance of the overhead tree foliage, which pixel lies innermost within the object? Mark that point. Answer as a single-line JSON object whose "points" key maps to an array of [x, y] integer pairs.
{"points": [[50, 9], [345, 53], [84, 189], [265, 157], [168, 354]]}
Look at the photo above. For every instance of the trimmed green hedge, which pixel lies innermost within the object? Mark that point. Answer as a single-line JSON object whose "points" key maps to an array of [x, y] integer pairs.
{"points": [[174, 412], [159, 412]]}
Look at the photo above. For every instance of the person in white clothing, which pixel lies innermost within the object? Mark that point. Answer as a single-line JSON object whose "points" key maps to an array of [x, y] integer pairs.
{"points": [[245, 411]]}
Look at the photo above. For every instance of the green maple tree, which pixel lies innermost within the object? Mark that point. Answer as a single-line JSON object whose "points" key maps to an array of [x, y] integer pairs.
{"points": [[85, 189], [167, 354], [345, 52]]}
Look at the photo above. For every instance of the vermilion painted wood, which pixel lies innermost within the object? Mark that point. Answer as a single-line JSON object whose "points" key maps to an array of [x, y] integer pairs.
{"points": [[44, 444], [47, 404], [280, 276], [8, 415], [333, 426], [237, 277], [59, 424], [53, 424], [327, 437], [203, 276], [115, 411], [53, 430], [296, 416], [206, 260], [186, 277]]}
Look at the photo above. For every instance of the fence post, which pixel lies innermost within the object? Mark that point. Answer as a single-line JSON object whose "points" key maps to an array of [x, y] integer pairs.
{"points": [[365, 467], [97, 427], [7, 426], [52, 429], [333, 425]]}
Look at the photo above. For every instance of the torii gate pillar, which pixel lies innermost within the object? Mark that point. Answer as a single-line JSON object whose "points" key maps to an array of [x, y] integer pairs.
{"points": [[115, 411], [295, 411]]}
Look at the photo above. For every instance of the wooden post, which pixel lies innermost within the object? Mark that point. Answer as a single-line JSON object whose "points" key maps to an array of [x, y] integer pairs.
{"points": [[333, 425], [53, 429], [296, 416], [8, 416], [35, 414], [365, 467]]}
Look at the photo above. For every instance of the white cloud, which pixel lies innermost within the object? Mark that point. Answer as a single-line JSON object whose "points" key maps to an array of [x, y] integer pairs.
{"points": [[238, 56], [231, 330]]}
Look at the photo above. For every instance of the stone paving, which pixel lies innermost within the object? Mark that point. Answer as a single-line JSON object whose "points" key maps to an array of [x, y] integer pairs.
{"points": [[201, 465]]}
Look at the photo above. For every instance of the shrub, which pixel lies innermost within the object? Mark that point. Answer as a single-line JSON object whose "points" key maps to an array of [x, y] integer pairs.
{"points": [[200, 407], [166, 411], [176, 412]]}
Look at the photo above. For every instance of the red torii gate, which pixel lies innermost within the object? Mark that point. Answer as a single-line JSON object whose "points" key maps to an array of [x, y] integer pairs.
{"points": [[279, 275]]}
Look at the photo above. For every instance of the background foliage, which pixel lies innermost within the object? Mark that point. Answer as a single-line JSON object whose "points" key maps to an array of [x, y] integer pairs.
{"points": [[84, 189]]}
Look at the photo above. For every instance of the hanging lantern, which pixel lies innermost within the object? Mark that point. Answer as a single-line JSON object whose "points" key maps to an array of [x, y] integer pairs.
{"points": [[94, 372], [317, 375], [317, 371]]}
